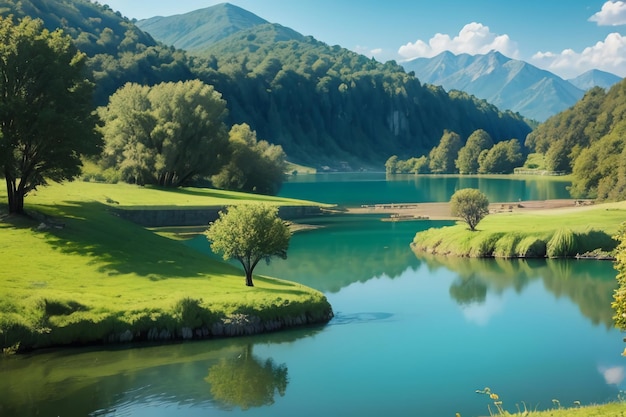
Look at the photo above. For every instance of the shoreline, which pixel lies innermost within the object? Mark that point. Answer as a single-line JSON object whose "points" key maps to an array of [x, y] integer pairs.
{"points": [[441, 211]]}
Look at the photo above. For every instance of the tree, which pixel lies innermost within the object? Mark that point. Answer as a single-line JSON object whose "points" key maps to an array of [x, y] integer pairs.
{"points": [[254, 166], [442, 156], [467, 161], [249, 233], [502, 158], [167, 134], [471, 205], [46, 113]]}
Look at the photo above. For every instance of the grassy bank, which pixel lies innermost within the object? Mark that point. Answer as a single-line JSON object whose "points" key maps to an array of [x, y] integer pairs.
{"points": [[92, 277], [555, 233]]}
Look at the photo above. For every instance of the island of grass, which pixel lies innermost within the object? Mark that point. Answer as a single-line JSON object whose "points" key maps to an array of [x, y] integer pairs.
{"points": [[77, 272], [584, 231]]}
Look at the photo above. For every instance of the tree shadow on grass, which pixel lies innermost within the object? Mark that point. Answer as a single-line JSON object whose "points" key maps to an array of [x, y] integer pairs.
{"points": [[91, 230]]}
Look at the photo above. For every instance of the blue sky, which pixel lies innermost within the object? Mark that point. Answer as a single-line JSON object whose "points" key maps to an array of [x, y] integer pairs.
{"points": [[565, 37]]}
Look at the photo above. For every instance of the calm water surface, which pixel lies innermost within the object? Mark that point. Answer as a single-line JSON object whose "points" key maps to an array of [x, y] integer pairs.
{"points": [[411, 336]]}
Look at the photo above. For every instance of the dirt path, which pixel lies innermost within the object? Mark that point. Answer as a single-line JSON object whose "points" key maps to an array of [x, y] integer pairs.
{"points": [[441, 211]]}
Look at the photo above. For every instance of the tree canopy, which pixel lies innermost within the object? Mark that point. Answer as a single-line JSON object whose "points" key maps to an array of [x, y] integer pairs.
{"points": [[471, 205], [249, 233], [167, 134], [253, 166], [46, 113], [467, 160]]}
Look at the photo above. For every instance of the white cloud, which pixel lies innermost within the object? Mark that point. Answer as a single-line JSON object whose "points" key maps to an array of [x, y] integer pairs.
{"points": [[474, 38], [481, 313], [613, 375], [608, 55], [613, 13], [369, 52]]}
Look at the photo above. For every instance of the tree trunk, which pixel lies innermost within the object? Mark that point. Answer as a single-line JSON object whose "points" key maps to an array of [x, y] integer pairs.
{"points": [[249, 282], [15, 196]]}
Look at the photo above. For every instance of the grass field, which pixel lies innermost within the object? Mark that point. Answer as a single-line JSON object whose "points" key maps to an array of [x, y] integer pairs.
{"points": [[90, 274], [534, 233]]}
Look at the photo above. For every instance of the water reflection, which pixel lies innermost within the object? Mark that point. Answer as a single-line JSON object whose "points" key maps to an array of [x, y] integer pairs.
{"points": [[373, 188], [120, 381], [589, 284], [246, 381]]}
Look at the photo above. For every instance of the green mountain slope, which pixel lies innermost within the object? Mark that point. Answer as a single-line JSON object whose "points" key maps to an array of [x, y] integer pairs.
{"points": [[118, 51], [329, 106], [324, 104], [589, 140], [196, 30]]}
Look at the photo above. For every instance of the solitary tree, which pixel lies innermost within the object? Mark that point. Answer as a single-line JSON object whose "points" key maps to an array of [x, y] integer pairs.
{"points": [[46, 113], [249, 233], [471, 205]]}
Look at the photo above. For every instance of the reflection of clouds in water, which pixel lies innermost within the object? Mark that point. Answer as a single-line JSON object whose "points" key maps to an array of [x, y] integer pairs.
{"points": [[614, 375], [481, 313]]}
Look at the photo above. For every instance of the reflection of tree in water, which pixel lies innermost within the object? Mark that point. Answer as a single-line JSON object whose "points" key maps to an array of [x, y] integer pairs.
{"points": [[468, 290], [589, 284], [246, 381]]}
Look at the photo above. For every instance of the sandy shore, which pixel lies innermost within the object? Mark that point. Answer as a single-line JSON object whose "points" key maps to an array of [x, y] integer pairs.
{"points": [[441, 211]]}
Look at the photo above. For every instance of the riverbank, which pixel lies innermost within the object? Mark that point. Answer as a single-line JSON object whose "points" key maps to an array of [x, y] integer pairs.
{"points": [[78, 274], [527, 229], [441, 211]]}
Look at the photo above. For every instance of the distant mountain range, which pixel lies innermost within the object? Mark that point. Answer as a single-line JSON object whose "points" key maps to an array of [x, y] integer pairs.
{"points": [[508, 83]]}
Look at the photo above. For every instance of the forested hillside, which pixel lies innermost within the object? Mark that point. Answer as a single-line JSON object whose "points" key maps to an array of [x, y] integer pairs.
{"points": [[588, 140], [325, 105]]}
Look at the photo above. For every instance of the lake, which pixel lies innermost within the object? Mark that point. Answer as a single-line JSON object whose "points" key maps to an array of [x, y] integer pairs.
{"points": [[412, 335]]}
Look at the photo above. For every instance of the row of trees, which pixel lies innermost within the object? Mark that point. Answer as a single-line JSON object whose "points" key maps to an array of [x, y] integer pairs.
{"points": [[479, 155], [171, 134]]}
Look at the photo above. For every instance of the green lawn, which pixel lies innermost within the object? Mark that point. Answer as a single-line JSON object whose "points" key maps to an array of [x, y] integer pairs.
{"points": [[99, 275], [518, 234]]}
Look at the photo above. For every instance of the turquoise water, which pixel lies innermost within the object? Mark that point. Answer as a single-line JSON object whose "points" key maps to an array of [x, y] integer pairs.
{"points": [[374, 188], [411, 336]]}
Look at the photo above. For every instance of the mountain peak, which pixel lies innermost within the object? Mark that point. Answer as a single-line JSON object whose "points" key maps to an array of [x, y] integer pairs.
{"points": [[595, 78], [199, 28]]}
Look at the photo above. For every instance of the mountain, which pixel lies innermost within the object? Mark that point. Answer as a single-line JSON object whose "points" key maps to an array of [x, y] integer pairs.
{"points": [[509, 84], [196, 30], [325, 105], [595, 78]]}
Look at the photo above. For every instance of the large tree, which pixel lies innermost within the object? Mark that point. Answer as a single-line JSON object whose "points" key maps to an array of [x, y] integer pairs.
{"points": [[442, 156], [167, 134], [254, 166], [249, 233], [471, 205], [46, 113], [467, 161]]}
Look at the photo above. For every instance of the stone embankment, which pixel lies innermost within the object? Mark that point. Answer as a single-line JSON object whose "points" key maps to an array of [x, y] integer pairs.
{"points": [[231, 326]]}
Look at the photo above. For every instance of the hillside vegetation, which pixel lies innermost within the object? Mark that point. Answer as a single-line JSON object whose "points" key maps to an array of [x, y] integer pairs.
{"points": [[588, 140]]}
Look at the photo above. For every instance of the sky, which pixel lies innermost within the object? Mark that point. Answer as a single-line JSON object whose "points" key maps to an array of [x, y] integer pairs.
{"points": [[565, 37]]}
